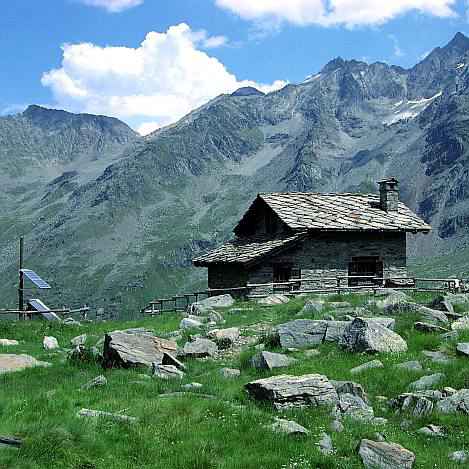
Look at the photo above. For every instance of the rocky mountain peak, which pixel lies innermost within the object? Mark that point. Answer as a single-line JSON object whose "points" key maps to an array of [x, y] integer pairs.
{"points": [[248, 91], [459, 42]]}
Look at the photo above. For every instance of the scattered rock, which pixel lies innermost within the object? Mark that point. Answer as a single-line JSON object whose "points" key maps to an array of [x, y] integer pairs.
{"points": [[192, 386], [463, 348], [417, 404], [339, 304], [442, 303], [130, 348], [71, 322], [302, 333], [337, 426], [8, 342], [50, 343], [100, 414], [461, 324], [428, 327], [312, 307], [220, 301], [168, 359], [367, 366], [215, 317], [335, 330], [426, 382], [166, 372], [458, 402], [364, 335], [269, 360], [452, 335], [354, 407], [325, 444], [190, 323], [289, 427], [10, 363], [200, 348], [459, 456], [224, 338], [383, 455], [312, 353], [79, 340], [272, 300], [99, 381], [82, 354], [294, 391], [437, 357], [350, 387], [432, 431], [412, 365], [230, 373]]}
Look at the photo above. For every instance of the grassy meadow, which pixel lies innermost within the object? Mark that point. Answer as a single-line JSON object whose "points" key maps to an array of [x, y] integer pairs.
{"points": [[192, 431]]}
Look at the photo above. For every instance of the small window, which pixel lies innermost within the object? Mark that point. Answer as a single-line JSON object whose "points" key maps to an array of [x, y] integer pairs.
{"points": [[282, 273], [368, 270]]}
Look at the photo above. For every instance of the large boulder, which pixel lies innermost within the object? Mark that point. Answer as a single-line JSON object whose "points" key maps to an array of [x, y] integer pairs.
{"points": [[383, 455], [50, 343], [335, 330], [190, 323], [286, 391], [428, 314], [220, 301], [302, 333], [355, 407], [426, 382], [135, 348], [364, 335], [442, 303], [269, 361]]}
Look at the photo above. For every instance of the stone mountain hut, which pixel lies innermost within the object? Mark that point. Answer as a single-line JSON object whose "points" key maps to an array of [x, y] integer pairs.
{"points": [[294, 235]]}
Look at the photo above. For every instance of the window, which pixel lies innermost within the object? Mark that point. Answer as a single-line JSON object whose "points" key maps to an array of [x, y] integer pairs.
{"points": [[282, 273], [363, 267]]}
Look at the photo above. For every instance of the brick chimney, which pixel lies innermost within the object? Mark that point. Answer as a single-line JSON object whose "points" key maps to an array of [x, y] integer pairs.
{"points": [[389, 194]]}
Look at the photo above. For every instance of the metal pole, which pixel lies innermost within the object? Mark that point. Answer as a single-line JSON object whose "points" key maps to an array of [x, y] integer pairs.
{"points": [[21, 277]]}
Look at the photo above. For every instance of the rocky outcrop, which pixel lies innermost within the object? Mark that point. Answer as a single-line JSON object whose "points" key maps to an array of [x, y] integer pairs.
{"points": [[285, 391], [302, 333]]}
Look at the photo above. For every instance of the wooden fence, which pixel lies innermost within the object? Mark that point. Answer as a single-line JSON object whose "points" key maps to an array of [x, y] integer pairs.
{"points": [[311, 285]]}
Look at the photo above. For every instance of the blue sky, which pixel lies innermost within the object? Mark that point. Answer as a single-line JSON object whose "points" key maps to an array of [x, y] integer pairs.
{"points": [[149, 62]]}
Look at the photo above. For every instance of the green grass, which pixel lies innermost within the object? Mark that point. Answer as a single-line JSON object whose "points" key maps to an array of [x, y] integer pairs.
{"points": [[228, 432]]}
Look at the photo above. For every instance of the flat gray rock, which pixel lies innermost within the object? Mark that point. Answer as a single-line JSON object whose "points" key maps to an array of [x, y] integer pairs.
{"points": [[364, 335], [325, 444], [458, 402], [10, 363], [366, 366], [429, 328], [8, 342], [126, 349], [166, 372], [273, 300], [433, 431], [383, 455], [286, 391], [437, 357], [190, 323], [50, 343], [335, 330], [106, 415], [302, 333], [224, 338], [200, 348], [412, 365], [97, 382], [220, 301], [354, 407], [289, 427], [230, 373], [269, 361], [350, 387], [463, 348], [426, 382], [461, 324]]}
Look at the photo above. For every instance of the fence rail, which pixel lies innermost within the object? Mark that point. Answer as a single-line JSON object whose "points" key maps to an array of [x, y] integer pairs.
{"points": [[338, 284]]}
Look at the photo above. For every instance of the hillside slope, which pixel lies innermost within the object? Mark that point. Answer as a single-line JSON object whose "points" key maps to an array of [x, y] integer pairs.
{"points": [[131, 227]]}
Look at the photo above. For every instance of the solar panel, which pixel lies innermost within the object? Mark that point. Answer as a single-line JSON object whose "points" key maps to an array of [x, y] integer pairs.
{"points": [[35, 279], [43, 310]]}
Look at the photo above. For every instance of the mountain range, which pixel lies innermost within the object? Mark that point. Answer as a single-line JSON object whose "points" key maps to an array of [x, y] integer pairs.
{"points": [[112, 217]]}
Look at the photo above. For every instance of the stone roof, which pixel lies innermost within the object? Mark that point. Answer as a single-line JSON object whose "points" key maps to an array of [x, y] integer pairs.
{"points": [[248, 250], [341, 212]]}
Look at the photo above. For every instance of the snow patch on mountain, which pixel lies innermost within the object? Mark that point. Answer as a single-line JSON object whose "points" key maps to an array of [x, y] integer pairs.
{"points": [[409, 109]]}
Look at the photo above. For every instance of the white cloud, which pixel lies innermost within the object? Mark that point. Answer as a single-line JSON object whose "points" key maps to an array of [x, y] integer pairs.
{"points": [[154, 84], [147, 128], [334, 12], [398, 52], [113, 6]]}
